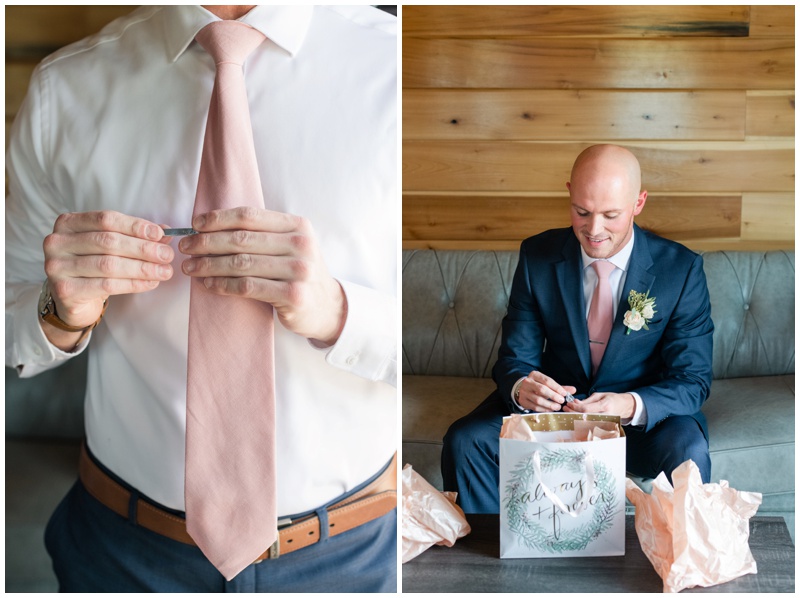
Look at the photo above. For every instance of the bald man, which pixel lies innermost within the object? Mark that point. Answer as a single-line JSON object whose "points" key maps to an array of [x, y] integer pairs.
{"points": [[655, 378]]}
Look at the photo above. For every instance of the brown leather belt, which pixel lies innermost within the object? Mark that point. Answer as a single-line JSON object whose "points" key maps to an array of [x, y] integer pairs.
{"points": [[374, 500]]}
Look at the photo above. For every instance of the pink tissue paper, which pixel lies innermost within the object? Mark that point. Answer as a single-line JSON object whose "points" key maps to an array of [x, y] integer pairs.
{"points": [[429, 516], [694, 534]]}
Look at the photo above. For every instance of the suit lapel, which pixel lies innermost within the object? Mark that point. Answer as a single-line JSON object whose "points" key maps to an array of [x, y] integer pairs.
{"points": [[640, 278], [570, 286]]}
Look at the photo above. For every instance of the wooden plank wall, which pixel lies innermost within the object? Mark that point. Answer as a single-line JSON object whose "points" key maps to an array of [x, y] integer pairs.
{"points": [[499, 100], [33, 32]]}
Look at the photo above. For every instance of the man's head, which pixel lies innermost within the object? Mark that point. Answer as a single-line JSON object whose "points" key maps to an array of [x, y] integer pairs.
{"points": [[605, 194]]}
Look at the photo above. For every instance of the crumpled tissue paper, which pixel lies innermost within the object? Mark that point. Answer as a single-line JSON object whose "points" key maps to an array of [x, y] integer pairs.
{"points": [[429, 516], [694, 534], [516, 428]]}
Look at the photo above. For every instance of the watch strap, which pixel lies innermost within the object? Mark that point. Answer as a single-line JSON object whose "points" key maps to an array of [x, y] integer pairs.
{"points": [[49, 315]]}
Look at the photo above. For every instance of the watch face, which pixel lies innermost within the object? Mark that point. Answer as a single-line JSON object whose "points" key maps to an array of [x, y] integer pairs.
{"points": [[45, 299]]}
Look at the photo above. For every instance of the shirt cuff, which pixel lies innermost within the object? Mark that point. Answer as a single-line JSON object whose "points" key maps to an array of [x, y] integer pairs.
{"points": [[367, 346], [30, 351], [639, 415], [514, 395]]}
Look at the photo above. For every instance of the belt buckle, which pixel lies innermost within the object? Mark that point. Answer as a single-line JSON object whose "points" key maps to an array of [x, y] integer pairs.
{"points": [[274, 551]]}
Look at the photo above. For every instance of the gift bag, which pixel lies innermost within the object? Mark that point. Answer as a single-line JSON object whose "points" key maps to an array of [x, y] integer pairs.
{"points": [[562, 490]]}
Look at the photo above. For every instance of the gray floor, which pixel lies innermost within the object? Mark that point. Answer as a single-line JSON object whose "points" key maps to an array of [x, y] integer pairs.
{"points": [[38, 475]]}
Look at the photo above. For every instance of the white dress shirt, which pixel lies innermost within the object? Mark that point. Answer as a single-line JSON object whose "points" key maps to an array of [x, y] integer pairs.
{"points": [[616, 280], [116, 121]]}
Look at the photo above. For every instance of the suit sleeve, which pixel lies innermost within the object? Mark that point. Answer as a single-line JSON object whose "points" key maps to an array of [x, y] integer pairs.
{"points": [[522, 335], [686, 352]]}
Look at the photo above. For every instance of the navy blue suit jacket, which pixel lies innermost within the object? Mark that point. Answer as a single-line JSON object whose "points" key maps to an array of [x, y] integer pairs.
{"points": [[545, 329]]}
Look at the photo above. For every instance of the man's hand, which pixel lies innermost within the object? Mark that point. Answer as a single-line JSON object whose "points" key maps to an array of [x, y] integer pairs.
{"points": [[609, 403], [272, 257], [541, 393], [92, 255]]}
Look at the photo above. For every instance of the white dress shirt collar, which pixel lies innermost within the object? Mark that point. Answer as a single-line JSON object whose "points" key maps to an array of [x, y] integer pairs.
{"points": [[286, 26]]}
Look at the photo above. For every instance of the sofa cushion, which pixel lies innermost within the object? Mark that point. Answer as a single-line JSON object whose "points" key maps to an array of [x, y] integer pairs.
{"points": [[430, 405], [752, 307], [453, 302], [751, 436]]}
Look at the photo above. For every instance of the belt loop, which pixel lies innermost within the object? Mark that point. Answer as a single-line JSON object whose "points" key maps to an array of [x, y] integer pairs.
{"points": [[324, 526], [133, 506]]}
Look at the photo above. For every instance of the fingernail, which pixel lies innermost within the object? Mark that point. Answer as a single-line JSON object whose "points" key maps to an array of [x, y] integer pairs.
{"points": [[151, 232], [208, 282], [164, 253], [189, 266], [164, 271], [199, 221]]}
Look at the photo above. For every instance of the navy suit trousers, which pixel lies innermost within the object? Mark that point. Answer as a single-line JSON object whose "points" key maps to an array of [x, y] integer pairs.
{"points": [[471, 453]]}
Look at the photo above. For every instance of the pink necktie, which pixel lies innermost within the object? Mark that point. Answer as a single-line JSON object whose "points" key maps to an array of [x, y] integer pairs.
{"points": [[601, 313], [230, 404]]}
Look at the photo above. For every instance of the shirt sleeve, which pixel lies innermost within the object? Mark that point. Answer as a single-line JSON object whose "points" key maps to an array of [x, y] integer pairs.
{"points": [[639, 415], [367, 346], [32, 206]]}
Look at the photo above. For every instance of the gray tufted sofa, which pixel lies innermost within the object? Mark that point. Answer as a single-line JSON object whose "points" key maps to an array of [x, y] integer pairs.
{"points": [[454, 301]]}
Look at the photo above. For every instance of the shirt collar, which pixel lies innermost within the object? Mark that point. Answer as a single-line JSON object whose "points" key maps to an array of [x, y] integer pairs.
{"points": [[286, 26], [621, 259]]}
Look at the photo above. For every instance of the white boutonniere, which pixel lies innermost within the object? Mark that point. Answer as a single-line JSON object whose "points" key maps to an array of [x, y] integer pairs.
{"points": [[641, 312]]}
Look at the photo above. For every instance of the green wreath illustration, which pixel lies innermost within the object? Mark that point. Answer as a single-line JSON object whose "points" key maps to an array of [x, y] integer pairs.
{"points": [[529, 531]]}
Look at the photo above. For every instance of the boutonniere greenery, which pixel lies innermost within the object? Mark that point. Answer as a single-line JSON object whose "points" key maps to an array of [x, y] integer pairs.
{"points": [[641, 312]]}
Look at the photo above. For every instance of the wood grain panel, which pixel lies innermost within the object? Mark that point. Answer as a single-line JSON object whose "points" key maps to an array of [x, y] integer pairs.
{"points": [[667, 166], [768, 216], [577, 63], [43, 28], [770, 114], [595, 21], [18, 74], [493, 217], [771, 21], [573, 114]]}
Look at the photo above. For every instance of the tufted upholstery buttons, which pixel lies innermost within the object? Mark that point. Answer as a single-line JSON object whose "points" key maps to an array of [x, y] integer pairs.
{"points": [[752, 298], [453, 304]]}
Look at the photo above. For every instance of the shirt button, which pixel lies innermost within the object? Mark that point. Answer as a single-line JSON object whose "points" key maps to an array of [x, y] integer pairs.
{"points": [[37, 350], [452, 305], [352, 360], [746, 306]]}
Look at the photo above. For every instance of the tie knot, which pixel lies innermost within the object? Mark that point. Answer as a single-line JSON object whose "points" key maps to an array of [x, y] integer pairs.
{"points": [[229, 41], [603, 268]]}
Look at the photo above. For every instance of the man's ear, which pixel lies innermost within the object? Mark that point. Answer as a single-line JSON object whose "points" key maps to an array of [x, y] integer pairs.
{"points": [[568, 188], [640, 201]]}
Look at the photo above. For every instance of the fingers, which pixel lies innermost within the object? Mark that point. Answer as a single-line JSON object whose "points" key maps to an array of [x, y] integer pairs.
{"points": [[248, 265], [67, 245], [272, 257], [539, 392], [107, 266], [252, 219], [245, 241], [109, 221], [621, 404], [92, 255]]}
